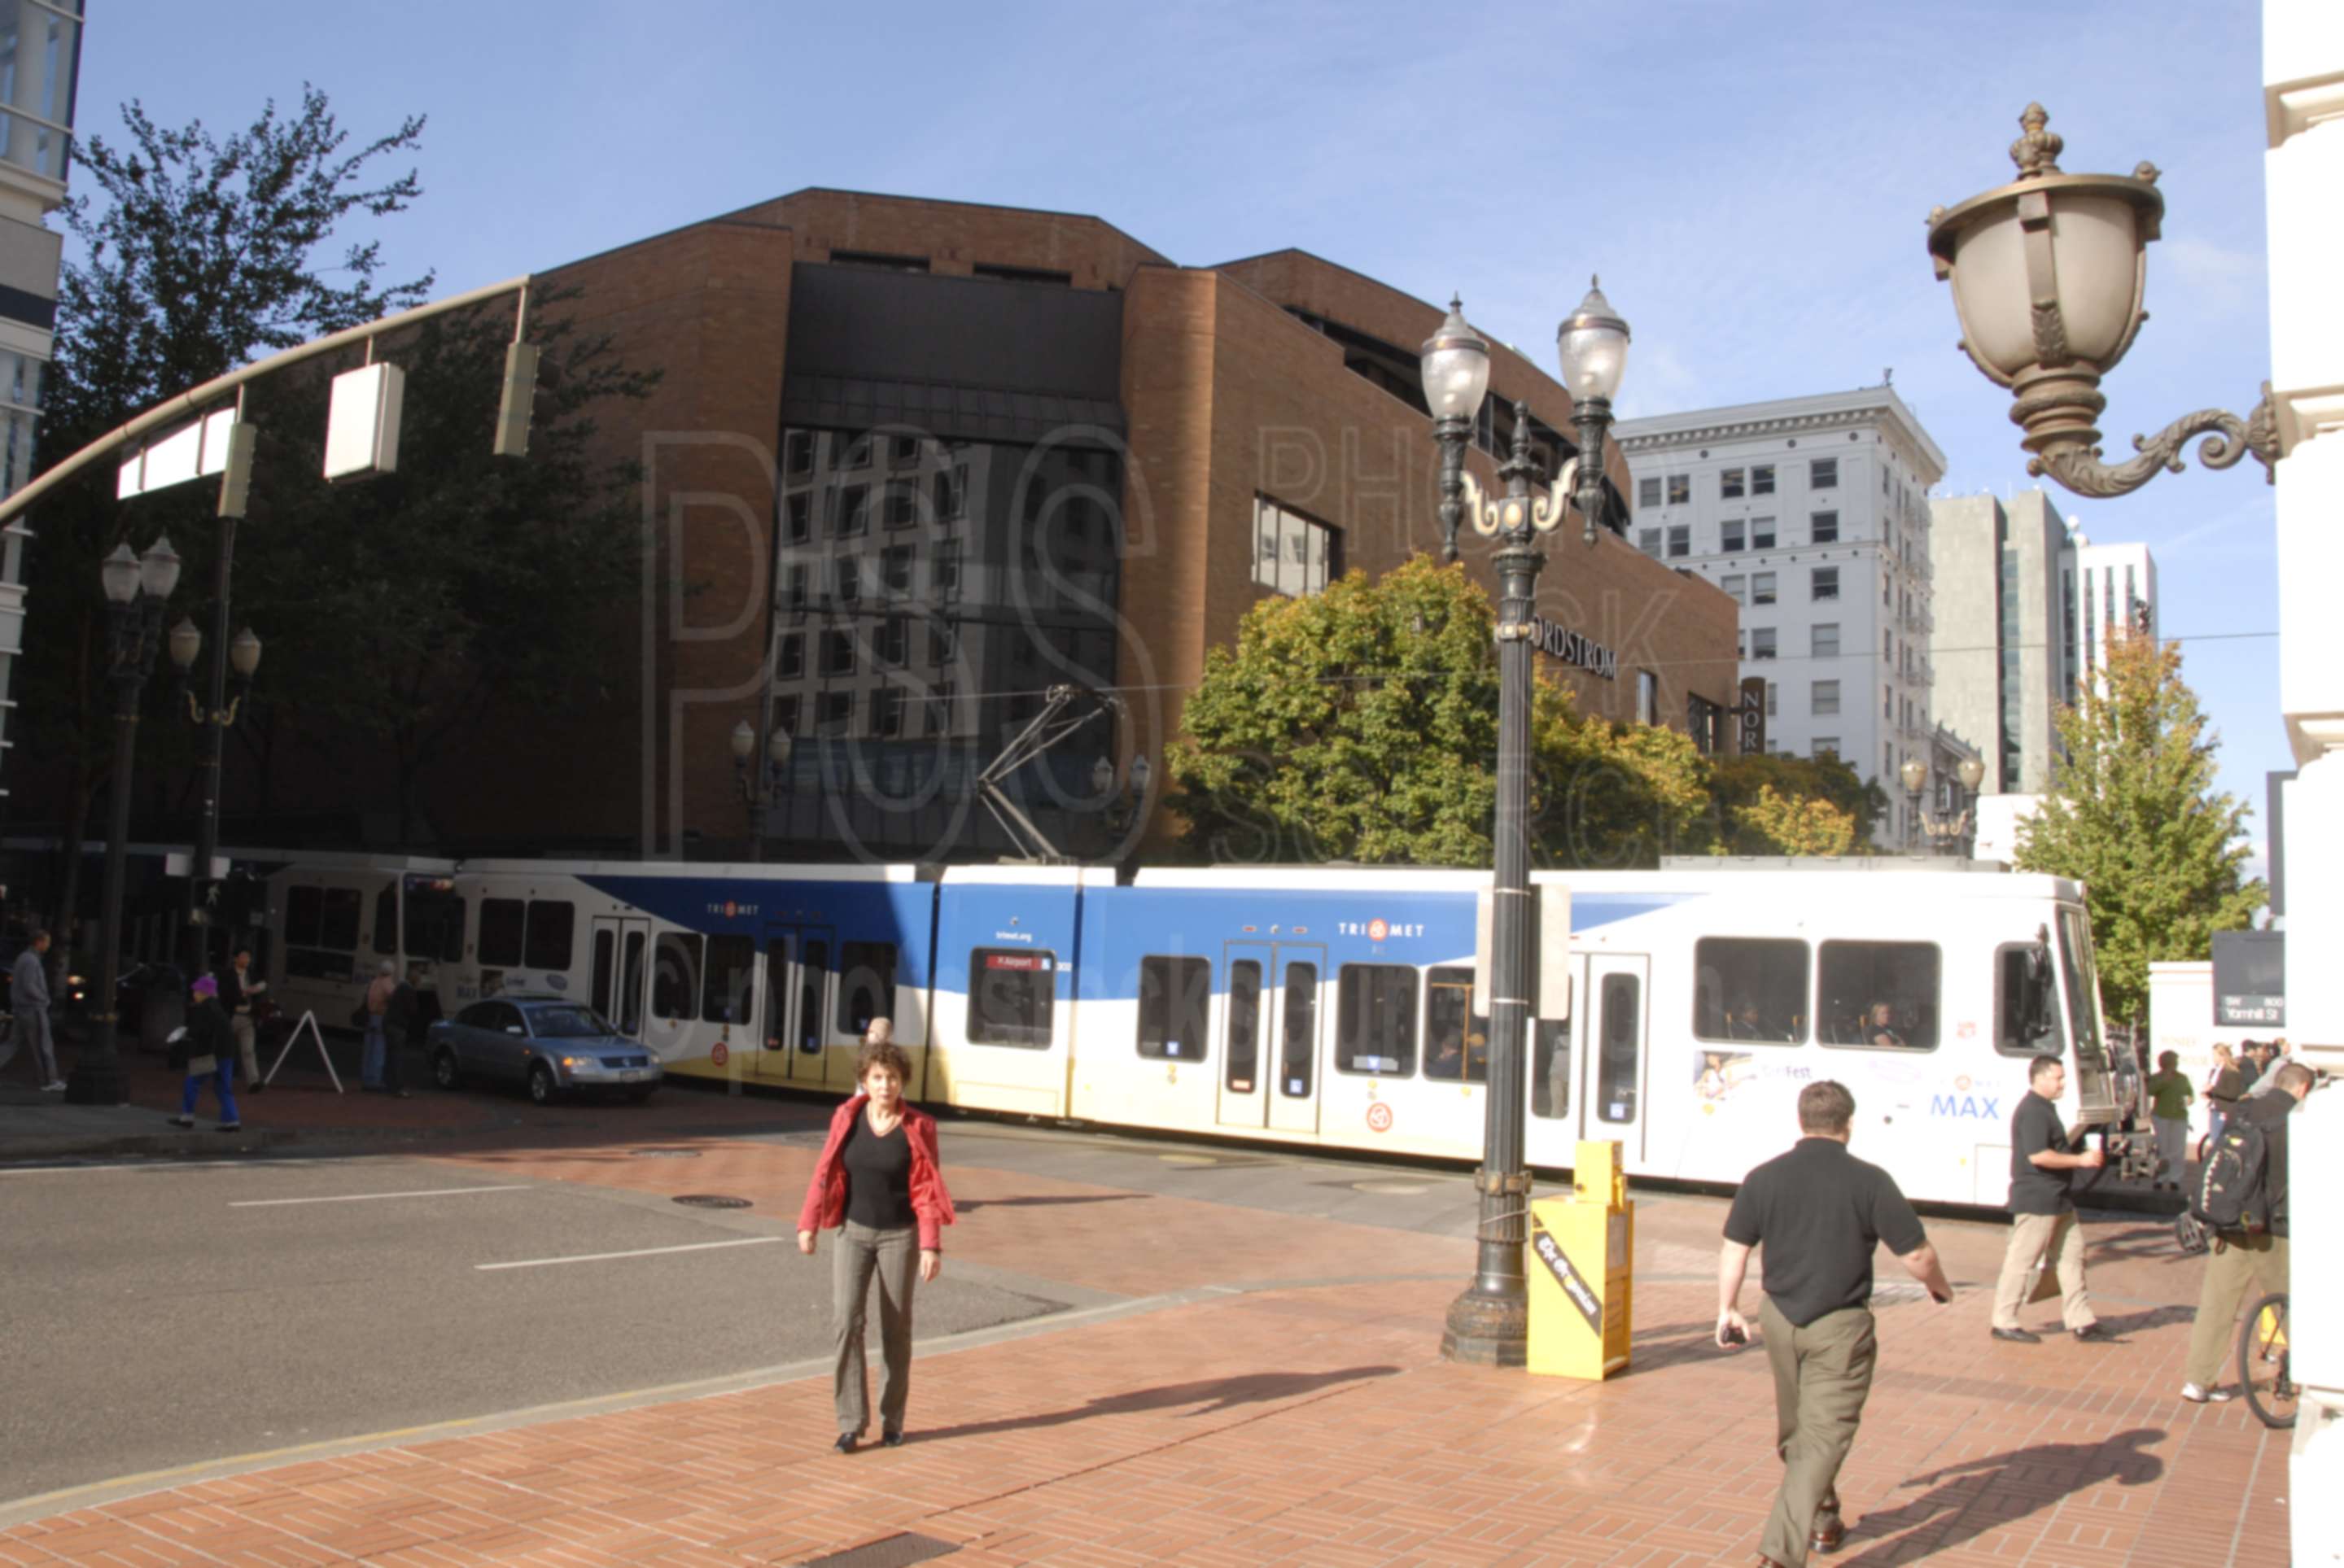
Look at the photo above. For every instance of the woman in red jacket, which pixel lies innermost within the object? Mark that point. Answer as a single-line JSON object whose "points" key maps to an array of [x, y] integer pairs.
{"points": [[878, 1183]]}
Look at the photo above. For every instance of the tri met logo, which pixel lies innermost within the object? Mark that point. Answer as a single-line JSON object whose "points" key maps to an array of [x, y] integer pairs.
{"points": [[1380, 931]]}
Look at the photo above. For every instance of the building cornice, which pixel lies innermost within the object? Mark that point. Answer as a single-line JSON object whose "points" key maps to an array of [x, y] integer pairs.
{"points": [[1865, 408]]}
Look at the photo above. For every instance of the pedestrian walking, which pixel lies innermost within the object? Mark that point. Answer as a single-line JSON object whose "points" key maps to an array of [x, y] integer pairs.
{"points": [[879, 1183], [206, 1051], [397, 1028], [2042, 1229], [2223, 1087], [377, 1009], [1819, 1211], [238, 989], [2247, 1261], [29, 998], [2169, 1097]]}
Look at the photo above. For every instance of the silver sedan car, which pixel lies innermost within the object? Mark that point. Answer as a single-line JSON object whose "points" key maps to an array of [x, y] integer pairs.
{"points": [[549, 1044]]}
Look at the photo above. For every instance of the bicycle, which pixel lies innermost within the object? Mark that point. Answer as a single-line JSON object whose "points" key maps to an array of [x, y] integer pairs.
{"points": [[2263, 1377]]}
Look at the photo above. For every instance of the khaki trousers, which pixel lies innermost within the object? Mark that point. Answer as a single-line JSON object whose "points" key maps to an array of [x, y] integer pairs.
{"points": [[240, 1026], [2057, 1242], [894, 1257], [2244, 1269], [1823, 1374]]}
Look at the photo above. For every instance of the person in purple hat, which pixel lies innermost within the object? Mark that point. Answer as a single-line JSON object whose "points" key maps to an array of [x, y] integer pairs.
{"points": [[207, 1049]]}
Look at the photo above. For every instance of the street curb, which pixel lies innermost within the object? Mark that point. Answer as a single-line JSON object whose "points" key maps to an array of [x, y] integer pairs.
{"points": [[176, 1142]]}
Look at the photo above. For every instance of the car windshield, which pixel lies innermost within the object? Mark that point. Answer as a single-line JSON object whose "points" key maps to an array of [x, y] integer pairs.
{"points": [[566, 1022]]}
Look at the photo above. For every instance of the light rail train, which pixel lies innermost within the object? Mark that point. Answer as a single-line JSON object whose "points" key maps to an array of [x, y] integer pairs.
{"points": [[1333, 1007]]}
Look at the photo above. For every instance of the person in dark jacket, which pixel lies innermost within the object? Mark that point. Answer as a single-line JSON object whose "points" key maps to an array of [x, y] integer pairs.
{"points": [[878, 1184], [2248, 1263], [207, 1049]]}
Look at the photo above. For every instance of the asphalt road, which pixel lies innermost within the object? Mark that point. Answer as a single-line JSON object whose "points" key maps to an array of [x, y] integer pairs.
{"points": [[175, 1314]]}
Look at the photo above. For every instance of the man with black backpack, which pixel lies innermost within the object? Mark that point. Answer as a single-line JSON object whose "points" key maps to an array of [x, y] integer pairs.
{"points": [[2242, 1199]]}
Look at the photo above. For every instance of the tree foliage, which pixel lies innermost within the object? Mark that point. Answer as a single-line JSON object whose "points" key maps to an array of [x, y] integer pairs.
{"points": [[1765, 804], [2133, 814], [1792, 825], [1361, 724]]}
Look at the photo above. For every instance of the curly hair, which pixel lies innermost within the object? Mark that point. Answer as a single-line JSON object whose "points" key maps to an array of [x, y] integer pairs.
{"points": [[881, 1053]]}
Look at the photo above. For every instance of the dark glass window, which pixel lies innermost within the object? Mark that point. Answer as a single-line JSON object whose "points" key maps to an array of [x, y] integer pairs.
{"points": [[304, 910], [630, 985], [1729, 536], [1880, 994], [1823, 473], [1680, 540], [797, 513], [1244, 1056], [790, 659], [1761, 479], [503, 921], [1729, 485], [1762, 533], [1551, 1060], [675, 975], [903, 505], [798, 452], [1750, 988], [838, 653], [1375, 1020], [887, 711], [730, 979], [867, 984], [1825, 526], [1617, 1052], [553, 923], [1648, 491], [1175, 997], [1456, 1038], [850, 510], [434, 925], [337, 926], [1297, 1053], [895, 568], [2025, 1002], [385, 921], [1679, 489], [1011, 996]]}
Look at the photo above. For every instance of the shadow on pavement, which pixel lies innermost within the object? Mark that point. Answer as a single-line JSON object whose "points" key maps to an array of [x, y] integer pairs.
{"points": [[1983, 1494], [1212, 1395]]}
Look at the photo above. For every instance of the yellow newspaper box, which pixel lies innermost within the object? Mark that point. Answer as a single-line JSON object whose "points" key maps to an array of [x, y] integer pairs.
{"points": [[1579, 1271]]}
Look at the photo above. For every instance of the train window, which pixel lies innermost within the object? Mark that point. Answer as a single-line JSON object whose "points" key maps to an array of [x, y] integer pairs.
{"points": [[1750, 988], [1175, 1002], [1551, 1063], [386, 920], [631, 986], [867, 984], [1298, 1046], [503, 921], [1375, 1020], [337, 925], [2082, 986], [675, 974], [304, 910], [1457, 1039], [1244, 1055], [553, 923], [1880, 994], [1012, 995], [434, 925], [729, 973], [602, 971], [814, 973], [2026, 1003], [1616, 1052]]}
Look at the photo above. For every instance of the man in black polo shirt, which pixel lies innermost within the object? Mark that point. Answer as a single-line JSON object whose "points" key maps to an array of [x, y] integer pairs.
{"points": [[1819, 1211], [2043, 1210]]}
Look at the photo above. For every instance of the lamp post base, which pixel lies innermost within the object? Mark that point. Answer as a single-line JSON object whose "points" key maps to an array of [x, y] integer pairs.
{"points": [[98, 1083], [1487, 1329]]}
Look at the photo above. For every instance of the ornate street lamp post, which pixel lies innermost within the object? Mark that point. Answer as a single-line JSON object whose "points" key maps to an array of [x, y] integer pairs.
{"points": [[1488, 1324], [2047, 274], [1946, 835], [135, 588], [213, 719], [760, 787]]}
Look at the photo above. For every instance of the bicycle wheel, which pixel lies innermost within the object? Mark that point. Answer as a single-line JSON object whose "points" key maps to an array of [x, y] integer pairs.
{"points": [[2262, 1364]]}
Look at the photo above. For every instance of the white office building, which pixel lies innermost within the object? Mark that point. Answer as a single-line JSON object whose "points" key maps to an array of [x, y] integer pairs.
{"points": [[2112, 591], [1813, 513]]}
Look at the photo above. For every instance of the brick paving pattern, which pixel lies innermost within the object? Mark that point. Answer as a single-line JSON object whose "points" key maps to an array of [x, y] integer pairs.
{"points": [[1300, 1414]]}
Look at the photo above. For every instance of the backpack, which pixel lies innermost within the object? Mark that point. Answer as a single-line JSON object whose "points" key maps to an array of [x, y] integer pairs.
{"points": [[2230, 1183]]}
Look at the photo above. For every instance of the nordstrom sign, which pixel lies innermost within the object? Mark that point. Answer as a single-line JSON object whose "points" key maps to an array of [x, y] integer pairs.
{"points": [[1562, 643]]}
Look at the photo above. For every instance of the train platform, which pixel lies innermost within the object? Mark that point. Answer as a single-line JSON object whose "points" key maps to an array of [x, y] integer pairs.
{"points": [[1224, 1380]]}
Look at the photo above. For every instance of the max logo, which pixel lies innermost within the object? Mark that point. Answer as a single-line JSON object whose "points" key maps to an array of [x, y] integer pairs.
{"points": [[1980, 1107]]}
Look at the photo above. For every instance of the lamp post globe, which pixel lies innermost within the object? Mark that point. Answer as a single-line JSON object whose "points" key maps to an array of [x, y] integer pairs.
{"points": [[244, 653], [1972, 773], [1454, 365], [119, 576], [777, 749], [1591, 344], [1915, 774], [158, 569], [187, 642], [745, 741]]}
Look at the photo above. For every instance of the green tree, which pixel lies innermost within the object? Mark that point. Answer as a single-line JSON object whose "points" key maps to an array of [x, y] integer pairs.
{"points": [[1743, 820], [2133, 814], [1361, 724], [1792, 825], [197, 255]]}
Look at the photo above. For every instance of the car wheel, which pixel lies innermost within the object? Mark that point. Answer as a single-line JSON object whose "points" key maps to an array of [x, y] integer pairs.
{"points": [[541, 1083], [443, 1069]]}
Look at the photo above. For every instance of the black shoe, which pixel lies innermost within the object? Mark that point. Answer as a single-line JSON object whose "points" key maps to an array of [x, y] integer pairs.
{"points": [[846, 1443], [255, 1087], [2092, 1334], [2018, 1336], [231, 1127], [183, 1122], [891, 1439]]}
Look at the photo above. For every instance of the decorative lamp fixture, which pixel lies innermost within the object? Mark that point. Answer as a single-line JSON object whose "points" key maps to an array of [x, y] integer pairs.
{"points": [[120, 576], [185, 643], [1972, 773], [159, 569], [1592, 345], [2048, 274], [1915, 774], [1455, 364], [745, 741], [244, 653], [777, 748]]}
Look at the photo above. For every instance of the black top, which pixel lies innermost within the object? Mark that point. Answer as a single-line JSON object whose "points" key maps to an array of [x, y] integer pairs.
{"points": [[878, 1176], [2270, 1112], [1819, 1211], [2035, 1127], [2249, 1071]]}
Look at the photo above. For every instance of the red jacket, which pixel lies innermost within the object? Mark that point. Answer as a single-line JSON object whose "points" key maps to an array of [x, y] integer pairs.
{"points": [[825, 1198]]}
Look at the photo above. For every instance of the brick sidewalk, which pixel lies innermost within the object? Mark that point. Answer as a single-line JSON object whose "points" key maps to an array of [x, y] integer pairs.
{"points": [[1292, 1419]]}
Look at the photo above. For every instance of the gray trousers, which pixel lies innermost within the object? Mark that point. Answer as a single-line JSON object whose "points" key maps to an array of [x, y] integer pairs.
{"points": [[33, 1029], [1823, 1374], [894, 1256]]}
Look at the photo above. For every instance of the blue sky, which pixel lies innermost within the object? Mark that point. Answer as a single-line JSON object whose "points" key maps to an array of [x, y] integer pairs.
{"points": [[1750, 178]]}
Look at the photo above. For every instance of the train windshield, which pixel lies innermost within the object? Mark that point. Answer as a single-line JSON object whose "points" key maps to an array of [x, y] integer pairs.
{"points": [[2093, 1086]]}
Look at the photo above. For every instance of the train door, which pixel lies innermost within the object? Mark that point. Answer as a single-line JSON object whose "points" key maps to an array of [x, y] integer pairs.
{"points": [[1617, 1073], [1269, 1031], [797, 1007], [617, 970]]}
